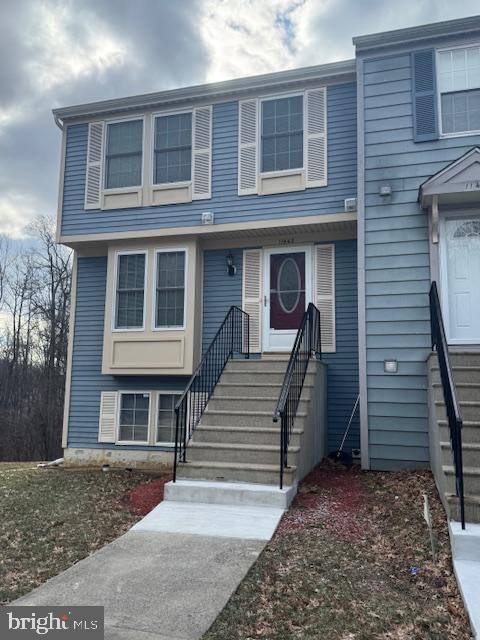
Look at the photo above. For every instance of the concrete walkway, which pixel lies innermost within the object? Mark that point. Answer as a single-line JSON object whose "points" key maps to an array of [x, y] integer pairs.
{"points": [[165, 579]]}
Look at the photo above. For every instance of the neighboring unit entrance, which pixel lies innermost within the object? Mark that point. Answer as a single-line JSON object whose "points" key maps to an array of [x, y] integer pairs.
{"points": [[460, 264], [287, 292]]}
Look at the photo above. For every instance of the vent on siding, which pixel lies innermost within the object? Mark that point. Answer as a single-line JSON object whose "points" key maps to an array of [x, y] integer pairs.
{"points": [[252, 295], [93, 180], [247, 147], [202, 153], [325, 293], [316, 137], [425, 126], [108, 416]]}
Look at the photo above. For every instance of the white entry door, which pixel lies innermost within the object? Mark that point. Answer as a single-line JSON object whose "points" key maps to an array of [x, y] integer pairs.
{"points": [[460, 263], [287, 292]]}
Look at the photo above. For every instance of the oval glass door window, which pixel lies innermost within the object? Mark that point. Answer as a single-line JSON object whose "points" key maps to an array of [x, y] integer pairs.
{"points": [[289, 285]]}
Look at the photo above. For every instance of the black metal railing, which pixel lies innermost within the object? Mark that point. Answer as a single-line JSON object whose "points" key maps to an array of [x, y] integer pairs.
{"points": [[233, 337], [307, 343], [454, 417]]}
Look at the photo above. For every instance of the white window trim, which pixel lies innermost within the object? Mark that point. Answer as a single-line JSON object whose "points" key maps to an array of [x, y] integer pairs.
{"points": [[283, 172], [114, 328], [169, 185], [154, 297], [162, 392], [119, 190], [455, 134], [141, 443]]}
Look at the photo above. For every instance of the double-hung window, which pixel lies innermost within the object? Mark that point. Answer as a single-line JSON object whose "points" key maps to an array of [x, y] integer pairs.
{"points": [[166, 418], [172, 148], [123, 154], [130, 291], [459, 88], [170, 294], [134, 417], [282, 134]]}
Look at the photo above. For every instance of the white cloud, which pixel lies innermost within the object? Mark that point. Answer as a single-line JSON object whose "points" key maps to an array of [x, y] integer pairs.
{"points": [[17, 209]]}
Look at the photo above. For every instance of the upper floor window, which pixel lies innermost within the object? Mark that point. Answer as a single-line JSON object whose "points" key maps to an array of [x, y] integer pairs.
{"points": [[123, 156], [173, 148], [170, 299], [282, 134], [130, 291], [459, 87]]}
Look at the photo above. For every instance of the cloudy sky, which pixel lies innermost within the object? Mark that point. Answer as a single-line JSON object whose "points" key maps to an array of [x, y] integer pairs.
{"points": [[62, 52]]}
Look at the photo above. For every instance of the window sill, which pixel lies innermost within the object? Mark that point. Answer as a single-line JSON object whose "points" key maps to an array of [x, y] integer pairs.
{"points": [[281, 182], [129, 443]]}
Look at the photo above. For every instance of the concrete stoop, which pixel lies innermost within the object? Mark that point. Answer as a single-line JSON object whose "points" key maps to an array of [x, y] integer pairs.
{"points": [[466, 564]]}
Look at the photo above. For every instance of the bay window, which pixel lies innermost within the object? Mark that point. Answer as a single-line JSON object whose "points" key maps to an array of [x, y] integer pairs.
{"points": [[170, 289], [130, 291]]}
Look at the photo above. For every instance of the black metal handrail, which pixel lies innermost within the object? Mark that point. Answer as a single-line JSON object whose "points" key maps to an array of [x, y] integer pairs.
{"points": [[455, 422], [307, 343], [233, 337]]}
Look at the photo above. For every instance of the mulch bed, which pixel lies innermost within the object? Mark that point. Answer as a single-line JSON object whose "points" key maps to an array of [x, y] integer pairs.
{"points": [[142, 499], [351, 560]]}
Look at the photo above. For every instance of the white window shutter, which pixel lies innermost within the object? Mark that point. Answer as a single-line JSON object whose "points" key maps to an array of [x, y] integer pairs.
{"points": [[93, 179], [247, 146], [316, 137], [252, 295], [325, 293], [202, 153], [107, 426]]}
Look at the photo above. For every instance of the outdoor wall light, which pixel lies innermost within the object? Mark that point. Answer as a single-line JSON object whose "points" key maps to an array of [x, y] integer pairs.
{"points": [[385, 191], [390, 366], [231, 268]]}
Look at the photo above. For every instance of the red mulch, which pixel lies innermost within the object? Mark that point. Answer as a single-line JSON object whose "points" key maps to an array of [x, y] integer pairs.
{"points": [[143, 498], [332, 498]]}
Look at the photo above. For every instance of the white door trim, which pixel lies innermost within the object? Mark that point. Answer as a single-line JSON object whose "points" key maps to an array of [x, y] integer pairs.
{"points": [[443, 271], [267, 252]]}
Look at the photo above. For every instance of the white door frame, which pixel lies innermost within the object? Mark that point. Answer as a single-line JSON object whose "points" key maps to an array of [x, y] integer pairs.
{"points": [[267, 252], [443, 271]]}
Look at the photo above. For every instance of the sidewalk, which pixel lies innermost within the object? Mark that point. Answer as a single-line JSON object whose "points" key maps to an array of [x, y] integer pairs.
{"points": [[163, 580]]}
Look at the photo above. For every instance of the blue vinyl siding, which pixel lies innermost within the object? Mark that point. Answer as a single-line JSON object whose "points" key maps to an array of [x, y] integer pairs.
{"points": [[87, 379], [397, 262], [225, 202], [221, 291]]}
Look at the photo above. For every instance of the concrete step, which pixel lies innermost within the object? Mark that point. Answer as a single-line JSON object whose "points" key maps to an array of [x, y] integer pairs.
{"points": [[244, 435], [240, 403], [471, 453], [238, 453], [470, 410], [472, 507], [245, 419], [470, 431], [466, 391], [231, 493], [460, 374], [257, 366], [242, 377], [255, 389], [235, 472], [471, 480], [464, 358]]}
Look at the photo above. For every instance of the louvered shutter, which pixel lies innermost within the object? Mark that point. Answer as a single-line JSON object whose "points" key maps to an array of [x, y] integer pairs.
{"points": [[108, 417], [202, 153], [247, 146], [316, 137], [93, 179], [252, 295], [325, 293], [424, 96]]}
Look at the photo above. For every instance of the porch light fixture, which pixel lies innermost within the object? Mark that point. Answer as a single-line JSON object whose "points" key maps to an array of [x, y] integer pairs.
{"points": [[231, 268], [390, 366], [385, 191]]}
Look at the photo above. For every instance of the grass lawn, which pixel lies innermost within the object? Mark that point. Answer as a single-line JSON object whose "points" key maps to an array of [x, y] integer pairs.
{"points": [[52, 518], [351, 560]]}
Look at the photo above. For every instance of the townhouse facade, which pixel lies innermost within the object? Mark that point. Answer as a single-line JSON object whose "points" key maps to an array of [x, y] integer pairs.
{"points": [[352, 185]]}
